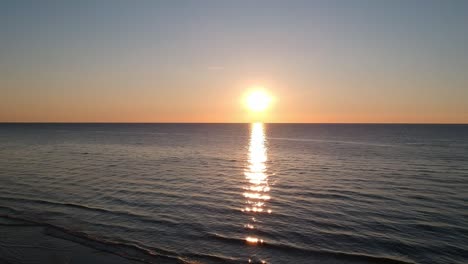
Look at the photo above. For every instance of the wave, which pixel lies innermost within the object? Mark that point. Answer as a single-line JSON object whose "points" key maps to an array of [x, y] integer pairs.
{"points": [[142, 218], [212, 258], [317, 253], [153, 255], [122, 249], [125, 249]]}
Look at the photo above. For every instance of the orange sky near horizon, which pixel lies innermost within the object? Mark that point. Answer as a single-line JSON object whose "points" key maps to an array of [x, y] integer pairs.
{"points": [[211, 105], [226, 107]]}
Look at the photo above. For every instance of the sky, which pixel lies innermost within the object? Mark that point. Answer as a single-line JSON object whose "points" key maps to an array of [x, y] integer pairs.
{"points": [[193, 61]]}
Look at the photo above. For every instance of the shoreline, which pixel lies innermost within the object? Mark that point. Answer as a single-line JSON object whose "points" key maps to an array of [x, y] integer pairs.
{"points": [[26, 241]]}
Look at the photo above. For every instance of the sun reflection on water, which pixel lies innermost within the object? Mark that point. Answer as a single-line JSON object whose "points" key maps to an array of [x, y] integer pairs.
{"points": [[257, 190]]}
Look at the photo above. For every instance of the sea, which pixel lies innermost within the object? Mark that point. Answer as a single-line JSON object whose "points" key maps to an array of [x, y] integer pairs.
{"points": [[244, 193]]}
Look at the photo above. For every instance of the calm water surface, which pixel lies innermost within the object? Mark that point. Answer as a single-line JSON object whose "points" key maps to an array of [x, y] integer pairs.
{"points": [[234, 193]]}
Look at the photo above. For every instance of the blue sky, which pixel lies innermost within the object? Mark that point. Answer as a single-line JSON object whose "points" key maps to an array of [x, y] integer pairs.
{"points": [[325, 61]]}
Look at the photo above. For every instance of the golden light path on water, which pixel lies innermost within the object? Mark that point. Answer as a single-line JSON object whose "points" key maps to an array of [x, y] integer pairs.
{"points": [[257, 190]]}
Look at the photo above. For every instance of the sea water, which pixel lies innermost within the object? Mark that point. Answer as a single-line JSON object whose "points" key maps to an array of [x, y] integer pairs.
{"points": [[234, 193]]}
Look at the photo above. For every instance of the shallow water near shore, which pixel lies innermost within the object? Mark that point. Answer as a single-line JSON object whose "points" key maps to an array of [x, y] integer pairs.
{"points": [[234, 193]]}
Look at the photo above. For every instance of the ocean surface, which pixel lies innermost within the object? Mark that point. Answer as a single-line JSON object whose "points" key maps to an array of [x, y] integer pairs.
{"points": [[234, 193]]}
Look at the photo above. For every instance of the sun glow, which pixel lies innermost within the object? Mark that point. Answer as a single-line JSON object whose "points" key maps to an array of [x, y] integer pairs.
{"points": [[258, 101]]}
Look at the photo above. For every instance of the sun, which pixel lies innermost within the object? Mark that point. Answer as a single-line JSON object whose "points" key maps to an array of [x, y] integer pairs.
{"points": [[258, 101]]}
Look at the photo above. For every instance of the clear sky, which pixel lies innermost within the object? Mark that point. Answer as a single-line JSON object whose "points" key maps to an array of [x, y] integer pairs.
{"points": [[193, 61]]}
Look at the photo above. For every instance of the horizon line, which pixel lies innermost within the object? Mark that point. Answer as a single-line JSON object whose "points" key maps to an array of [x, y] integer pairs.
{"points": [[290, 123]]}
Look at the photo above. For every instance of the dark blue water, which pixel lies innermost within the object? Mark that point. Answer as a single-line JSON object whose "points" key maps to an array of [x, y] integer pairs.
{"points": [[217, 193]]}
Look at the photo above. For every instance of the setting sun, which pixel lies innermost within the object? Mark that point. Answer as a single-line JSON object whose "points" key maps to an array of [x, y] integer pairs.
{"points": [[258, 101]]}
